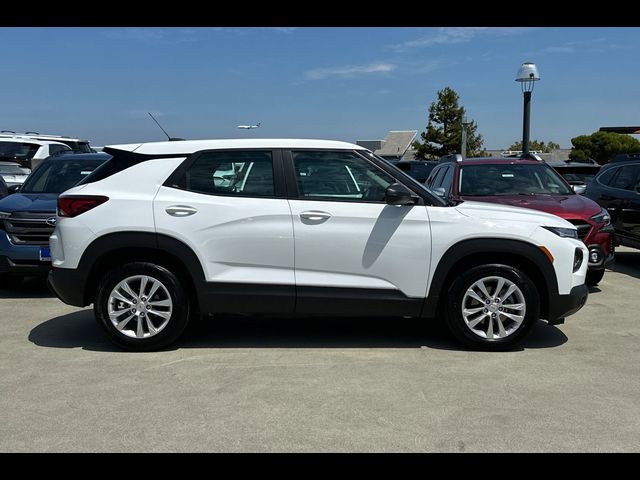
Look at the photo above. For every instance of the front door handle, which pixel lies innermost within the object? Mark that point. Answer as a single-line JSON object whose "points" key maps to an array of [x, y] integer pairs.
{"points": [[180, 210], [315, 216]]}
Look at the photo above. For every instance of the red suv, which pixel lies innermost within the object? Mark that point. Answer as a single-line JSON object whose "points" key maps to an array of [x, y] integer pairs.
{"points": [[532, 184]]}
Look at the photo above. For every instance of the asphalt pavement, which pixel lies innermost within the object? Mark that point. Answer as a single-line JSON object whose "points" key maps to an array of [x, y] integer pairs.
{"points": [[322, 385]]}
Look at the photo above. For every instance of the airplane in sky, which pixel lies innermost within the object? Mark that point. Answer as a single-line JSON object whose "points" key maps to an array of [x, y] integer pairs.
{"points": [[249, 127]]}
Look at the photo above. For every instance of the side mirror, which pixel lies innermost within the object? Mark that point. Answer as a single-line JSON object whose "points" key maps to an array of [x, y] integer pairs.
{"points": [[579, 189], [398, 194], [13, 189], [440, 191]]}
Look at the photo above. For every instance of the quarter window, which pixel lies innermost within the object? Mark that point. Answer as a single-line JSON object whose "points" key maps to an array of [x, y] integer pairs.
{"points": [[606, 176], [339, 176], [625, 178], [239, 173]]}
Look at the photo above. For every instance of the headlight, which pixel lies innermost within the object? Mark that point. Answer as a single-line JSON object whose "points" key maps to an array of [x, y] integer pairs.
{"points": [[602, 217], [564, 232]]}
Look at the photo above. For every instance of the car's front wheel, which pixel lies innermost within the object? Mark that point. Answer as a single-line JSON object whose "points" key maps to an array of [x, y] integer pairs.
{"points": [[142, 306], [492, 307]]}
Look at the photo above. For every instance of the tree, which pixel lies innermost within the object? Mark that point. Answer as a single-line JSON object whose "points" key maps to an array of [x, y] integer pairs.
{"points": [[602, 146], [443, 135], [536, 145]]}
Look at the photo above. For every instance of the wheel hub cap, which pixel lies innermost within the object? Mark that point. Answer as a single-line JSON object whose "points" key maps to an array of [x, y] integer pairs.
{"points": [[140, 306], [493, 307]]}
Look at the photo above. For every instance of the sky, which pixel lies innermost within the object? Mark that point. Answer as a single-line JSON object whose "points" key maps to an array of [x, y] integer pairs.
{"points": [[342, 83]]}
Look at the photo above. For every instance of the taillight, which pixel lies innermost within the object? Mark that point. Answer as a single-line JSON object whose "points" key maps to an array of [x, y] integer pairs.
{"points": [[73, 206]]}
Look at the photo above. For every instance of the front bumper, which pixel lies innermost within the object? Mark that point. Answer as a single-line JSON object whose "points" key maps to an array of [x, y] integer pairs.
{"points": [[68, 284], [21, 266], [561, 306]]}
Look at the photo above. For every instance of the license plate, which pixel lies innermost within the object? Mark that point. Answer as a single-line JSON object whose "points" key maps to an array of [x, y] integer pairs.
{"points": [[45, 254]]}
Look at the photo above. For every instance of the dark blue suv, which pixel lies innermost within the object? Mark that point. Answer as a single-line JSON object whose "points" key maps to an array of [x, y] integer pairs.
{"points": [[28, 217]]}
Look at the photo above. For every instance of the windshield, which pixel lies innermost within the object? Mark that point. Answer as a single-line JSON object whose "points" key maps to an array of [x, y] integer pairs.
{"points": [[510, 179], [55, 175], [408, 178], [82, 147], [17, 150]]}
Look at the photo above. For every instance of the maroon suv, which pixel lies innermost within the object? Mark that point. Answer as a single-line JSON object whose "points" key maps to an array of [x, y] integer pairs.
{"points": [[532, 184]]}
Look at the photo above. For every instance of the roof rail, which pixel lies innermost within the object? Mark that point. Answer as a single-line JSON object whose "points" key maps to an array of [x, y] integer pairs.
{"points": [[455, 157], [625, 157]]}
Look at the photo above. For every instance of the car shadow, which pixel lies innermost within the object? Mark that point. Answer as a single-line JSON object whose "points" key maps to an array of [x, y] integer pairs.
{"points": [[79, 330], [30, 287], [627, 263]]}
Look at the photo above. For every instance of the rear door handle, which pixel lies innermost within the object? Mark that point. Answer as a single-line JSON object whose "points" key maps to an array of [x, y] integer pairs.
{"points": [[180, 210], [315, 216]]}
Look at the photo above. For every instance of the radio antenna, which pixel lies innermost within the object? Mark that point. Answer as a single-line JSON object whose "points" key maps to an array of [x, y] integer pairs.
{"points": [[171, 139]]}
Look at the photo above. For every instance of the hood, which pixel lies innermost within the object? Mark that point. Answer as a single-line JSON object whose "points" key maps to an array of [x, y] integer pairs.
{"points": [[565, 206], [29, 202], [493, 211]]}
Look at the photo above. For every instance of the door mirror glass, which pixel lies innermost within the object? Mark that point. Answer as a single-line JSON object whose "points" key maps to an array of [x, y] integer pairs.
{"points": [[440, 191], [13, 189], [398, 194]]}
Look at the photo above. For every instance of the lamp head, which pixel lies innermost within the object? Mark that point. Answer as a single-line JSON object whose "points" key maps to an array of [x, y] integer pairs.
{"points": [[527, 74]]}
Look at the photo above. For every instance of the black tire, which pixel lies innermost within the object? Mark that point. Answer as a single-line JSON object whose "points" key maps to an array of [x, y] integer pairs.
{"points": [[594, 277], [177, 321], [464, 333]]}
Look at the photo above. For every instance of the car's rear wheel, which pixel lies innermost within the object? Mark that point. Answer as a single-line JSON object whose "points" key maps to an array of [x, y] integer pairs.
{"points": [[492, 307], [142, 306], [594, 277]]}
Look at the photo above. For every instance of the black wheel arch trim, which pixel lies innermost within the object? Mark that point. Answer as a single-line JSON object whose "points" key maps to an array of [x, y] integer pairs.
{"points": [[100, 248], [528, 252]]}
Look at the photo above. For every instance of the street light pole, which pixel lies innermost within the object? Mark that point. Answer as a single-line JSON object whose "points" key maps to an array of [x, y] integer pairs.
{"points": [[526, 121], [527, 75], [463, 147]]}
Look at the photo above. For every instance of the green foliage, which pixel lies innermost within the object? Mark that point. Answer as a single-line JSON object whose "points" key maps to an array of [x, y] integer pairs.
{"points": [[602, 146], [536, 145], [443, 135]]}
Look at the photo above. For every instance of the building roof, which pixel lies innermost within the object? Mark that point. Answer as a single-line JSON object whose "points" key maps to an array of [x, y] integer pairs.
{"points": [[191, 146], [628, 130], [397, 142]]}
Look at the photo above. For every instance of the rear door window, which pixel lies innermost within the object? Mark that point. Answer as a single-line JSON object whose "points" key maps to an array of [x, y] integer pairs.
{"points": [[231, 173]]}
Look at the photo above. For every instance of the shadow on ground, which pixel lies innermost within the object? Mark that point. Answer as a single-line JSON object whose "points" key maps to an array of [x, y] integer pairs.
{"points": [[30, 287], [79, 329], [627, 263]]}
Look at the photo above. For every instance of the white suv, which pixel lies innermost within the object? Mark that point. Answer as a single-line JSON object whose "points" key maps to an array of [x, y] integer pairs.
{"points": [[166, 231], [27, 152]]}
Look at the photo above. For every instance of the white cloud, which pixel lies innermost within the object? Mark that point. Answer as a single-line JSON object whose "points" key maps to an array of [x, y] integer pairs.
{"points": [[348, 71], [451, 35]]}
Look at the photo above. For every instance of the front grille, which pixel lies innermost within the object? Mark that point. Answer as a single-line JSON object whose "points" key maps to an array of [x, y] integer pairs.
{"points": [[26, 228], [583, 228]]}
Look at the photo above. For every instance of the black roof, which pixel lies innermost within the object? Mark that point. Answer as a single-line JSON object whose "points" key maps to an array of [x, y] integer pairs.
{"points": [[626, 157]]}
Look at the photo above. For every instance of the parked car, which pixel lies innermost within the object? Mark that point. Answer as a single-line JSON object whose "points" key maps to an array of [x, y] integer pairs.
{"points": [[13, 174], [27, 217], [28, 153], [3, 188], [418, 169], [617, 188], [577, 174], [531, 184], [76, 144], [308, 227]]}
